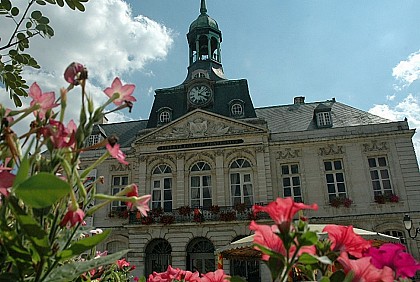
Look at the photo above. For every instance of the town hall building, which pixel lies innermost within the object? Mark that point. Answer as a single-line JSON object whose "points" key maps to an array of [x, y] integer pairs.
{"points": [[206, 155]]}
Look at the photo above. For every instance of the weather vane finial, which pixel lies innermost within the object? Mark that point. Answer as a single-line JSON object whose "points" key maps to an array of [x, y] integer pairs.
{"points": [[203, 9]]}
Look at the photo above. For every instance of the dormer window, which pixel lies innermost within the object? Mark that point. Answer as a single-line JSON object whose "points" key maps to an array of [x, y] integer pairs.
{"points": [[236, 108], [323, 119], [200, 74], [164, 115], [93, 140], [322, 115]]}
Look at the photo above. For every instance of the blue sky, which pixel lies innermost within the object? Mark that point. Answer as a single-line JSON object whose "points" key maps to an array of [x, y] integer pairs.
{"points": [[363, 53]]}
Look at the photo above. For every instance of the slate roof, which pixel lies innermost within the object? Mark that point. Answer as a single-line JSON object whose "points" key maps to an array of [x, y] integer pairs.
{"points": [[126, 131], [300, 117], [284, 118]]}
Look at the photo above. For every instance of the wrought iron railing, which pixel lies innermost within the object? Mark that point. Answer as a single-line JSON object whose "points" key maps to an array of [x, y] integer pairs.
{"points": [[186, 214]]}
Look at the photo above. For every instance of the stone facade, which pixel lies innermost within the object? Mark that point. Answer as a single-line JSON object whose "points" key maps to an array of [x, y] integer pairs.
{"points": [[206, 164]]}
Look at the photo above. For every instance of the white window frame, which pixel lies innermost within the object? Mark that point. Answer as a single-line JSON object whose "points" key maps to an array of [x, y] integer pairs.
{"points": [[164, 116], [118, 183], [93, 139], [335, 179], [201, 171], [323, 119], [291, 173], [380, 176], [241, 170], [237, 109], [162, 196]]}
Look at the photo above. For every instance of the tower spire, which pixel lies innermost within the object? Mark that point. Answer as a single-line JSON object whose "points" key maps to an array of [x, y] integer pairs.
{"points": [[203, 9]]}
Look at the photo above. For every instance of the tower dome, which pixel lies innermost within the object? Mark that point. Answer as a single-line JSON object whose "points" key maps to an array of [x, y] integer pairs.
{"points": [[204, 20]]}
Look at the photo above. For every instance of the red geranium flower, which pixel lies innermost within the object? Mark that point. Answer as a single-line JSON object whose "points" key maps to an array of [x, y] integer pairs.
{"points": [[343, 238]]}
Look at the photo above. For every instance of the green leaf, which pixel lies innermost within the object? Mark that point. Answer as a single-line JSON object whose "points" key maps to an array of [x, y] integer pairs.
{"points": [[36, 15], [338, 276], [50, 1], [42, 190], [40, 2], [22, 173], [28, 25], [17, 100], [35, 234], [306, 258], [14, 11], [43, 20], [83, 245], [70, 271], [308, 238], [60, 3], [70, 3], [79, 6], [236, 279], [324, 279], [6, 4]]}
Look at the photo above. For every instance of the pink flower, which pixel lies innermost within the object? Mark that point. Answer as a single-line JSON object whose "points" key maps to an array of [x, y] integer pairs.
{"points": [[74, 72], [72, 217], [142, 204], [117, 153], [124, 91], [192, 276], [343, 238], [217, 276], [61, 136], [268, 237], [283, 210], [44, 100], [6, 181], [121, 263], [395, 257], [364, 271]]}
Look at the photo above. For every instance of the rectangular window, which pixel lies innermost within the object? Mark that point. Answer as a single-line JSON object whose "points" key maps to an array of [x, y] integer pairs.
{"points": [[379, 175], [118, 183], [162, 194], [323, 119], [241, 188], [291, 182], [334, 174], [92, 140], [201, 191]]}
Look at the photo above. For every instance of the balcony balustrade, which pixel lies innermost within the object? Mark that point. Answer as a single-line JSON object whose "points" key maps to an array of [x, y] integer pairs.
{"points": [[186, 214]]}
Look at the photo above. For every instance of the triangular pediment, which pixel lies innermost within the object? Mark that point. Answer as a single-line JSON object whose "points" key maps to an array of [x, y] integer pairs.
{"points": [[200, 124]]}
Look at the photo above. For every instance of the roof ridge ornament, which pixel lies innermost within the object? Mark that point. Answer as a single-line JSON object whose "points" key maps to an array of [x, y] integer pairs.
{"points": [[203, 9]]}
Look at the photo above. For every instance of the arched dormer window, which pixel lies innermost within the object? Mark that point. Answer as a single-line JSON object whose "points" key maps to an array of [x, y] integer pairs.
{"points": [[164, 115], [200, 185], [162, 187], [241, 182], [236, 108]]}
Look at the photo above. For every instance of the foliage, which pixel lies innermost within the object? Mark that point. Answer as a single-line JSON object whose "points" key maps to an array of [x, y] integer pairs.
{"points": [[338, 202], [43, 199], [386, 198], [30, 22]]}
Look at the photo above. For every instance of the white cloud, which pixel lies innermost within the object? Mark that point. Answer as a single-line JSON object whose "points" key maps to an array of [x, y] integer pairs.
{"points": [[408, 108], [407, 71], [106, 38]]}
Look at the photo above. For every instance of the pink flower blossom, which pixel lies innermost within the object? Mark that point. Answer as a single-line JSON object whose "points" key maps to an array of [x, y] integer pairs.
{"points": [[283, 210], [343, 238], [117, 153], [61, 136], [72, 217], [73, 73], [395, 257], [6, 181], [124, 91], [121, 263], [44, 100], [217, 276], [142, 204], [364, 271], [268, 237]]}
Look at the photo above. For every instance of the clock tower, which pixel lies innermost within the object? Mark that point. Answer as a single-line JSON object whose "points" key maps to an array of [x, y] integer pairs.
{"points": [[205, 86]]}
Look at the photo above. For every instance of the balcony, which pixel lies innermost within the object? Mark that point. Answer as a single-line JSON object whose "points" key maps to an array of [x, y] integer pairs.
{"points": [[185, 214]]}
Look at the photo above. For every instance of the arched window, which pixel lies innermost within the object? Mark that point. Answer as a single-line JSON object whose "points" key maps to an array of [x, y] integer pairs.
{"points": [[200, 255], [241, 182], [162, 187], [158, 256], [200, 183], [398, 234]]}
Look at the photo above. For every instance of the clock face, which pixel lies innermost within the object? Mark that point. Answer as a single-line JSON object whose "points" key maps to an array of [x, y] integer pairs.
{"points": [[199, 95]]}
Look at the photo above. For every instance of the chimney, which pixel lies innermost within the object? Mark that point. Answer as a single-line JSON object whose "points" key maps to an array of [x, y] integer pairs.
{"points": [[299, 100]]}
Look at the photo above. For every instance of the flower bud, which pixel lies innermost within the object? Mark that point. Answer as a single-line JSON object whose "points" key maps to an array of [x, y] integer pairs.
{"points": [[74, 73]]}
